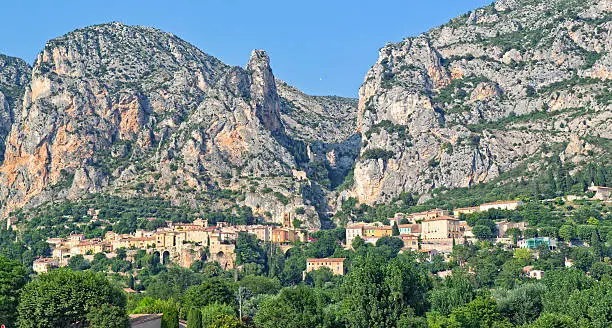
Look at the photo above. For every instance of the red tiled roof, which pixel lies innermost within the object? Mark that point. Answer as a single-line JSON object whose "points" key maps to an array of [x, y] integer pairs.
{"points": [[326, 260]]}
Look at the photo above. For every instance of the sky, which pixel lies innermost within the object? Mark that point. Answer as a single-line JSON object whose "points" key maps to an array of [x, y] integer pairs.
{"points": [[321, 47]]}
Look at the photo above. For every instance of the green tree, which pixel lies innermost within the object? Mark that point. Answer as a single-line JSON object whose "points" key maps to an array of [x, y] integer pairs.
{"points": [[455, 291], [523, 304], [567, 232], [550, 320], [560, 284], [13, 277], [299, 306], [108, 316], [227, 321], [210, 291], [212, 312], [194, 318], [357, 243], [62, 298], [259, 285], [168, 309], [530, 233], [481, 312], [389, 246], [78, 262], [248, 250], [376, 291], [482, 232], [395, 230]]}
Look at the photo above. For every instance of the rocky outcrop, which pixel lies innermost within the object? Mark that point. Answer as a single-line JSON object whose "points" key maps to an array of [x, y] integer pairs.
{"points": [[135, 111], [483, 94], [14, 76]]}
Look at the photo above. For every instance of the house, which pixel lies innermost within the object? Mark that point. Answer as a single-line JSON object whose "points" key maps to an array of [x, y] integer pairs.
{"points": [[336, 265], [427, 215], [444, 274], [410, 241], [501, 205], [280, 235], [406, 229], [43, 265], [145, 320], [443, 227], [465, 210], [601, 193], [377, 231], [504, 226], [536, 274]]}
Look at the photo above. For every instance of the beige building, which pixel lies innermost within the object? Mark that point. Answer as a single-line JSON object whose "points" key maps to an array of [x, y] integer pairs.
{"points": [[443, 227], [353, 231], [336, 265], [410, 241], [601, 193], [504, 226], [43, 265], [465, 210], [420, 216], [501, 205]]}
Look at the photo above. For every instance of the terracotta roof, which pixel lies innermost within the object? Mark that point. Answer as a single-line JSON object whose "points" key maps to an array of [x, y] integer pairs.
{"points": [[467, 208], [45, 260], [326, 260], [502, 202], [379, 228], [442, 218]]}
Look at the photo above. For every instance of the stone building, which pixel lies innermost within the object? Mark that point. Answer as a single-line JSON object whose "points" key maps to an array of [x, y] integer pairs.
{"points": [[443, 227], [336, 265]]}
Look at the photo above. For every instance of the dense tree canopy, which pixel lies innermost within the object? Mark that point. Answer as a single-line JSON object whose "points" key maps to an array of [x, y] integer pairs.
{"points": [[13, 277], [62, 298]]}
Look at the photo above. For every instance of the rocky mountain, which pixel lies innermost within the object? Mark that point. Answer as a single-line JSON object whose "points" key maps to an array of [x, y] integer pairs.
{"points": [[134, 111], [490, 92]]}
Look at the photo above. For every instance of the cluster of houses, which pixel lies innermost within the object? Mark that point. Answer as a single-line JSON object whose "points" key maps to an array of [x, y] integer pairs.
{"points": [[179, 243], [431, 232]]}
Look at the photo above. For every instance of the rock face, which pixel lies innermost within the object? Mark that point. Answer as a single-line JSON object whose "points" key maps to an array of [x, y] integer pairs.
{"points": [[133, 111], [14, 76], [484, 94]]}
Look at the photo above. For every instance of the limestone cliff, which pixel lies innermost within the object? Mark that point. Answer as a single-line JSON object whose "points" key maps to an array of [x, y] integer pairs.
{"points": [[14, 76], [484, 94], [135, 111]]}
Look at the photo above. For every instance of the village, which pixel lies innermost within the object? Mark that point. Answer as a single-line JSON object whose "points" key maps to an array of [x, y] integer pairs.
{"points": [[432, 232]]}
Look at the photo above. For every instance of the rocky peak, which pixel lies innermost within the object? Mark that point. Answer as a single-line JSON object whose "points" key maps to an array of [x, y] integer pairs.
{"points": [[490, 76], [263, 90]]}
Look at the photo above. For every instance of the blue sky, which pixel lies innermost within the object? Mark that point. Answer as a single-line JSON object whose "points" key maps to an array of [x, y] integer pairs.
{"points": [[321, 47]]}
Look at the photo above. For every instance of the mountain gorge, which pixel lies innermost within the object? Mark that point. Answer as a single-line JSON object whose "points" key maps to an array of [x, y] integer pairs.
{"points": [[133, 111]]}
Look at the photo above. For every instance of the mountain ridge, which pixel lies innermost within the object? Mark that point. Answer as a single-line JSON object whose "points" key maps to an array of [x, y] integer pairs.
{"points": [[134, 111]]}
